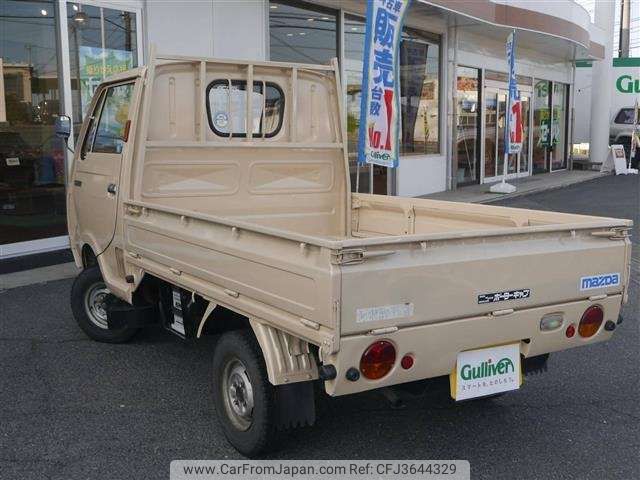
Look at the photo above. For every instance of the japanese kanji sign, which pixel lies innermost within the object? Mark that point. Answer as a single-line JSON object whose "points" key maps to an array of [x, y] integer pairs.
{"points": [[379, 135], [514, 117]]}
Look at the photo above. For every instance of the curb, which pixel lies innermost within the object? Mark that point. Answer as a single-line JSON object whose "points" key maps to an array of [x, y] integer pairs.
{"points": [[542, 189]]}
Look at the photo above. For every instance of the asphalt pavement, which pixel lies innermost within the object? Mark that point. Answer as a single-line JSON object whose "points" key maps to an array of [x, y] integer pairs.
{"points": [[71, 408]]}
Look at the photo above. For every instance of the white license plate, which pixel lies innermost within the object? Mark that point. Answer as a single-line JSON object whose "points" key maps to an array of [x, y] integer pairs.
{"points": [[487, 371]]}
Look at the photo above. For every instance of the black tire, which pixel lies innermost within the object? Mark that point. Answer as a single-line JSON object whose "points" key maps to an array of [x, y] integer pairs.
{"points": [[86, 284], [254, 436]]}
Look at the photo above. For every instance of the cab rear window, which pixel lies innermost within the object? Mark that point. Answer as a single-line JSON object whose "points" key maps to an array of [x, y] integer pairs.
{"points": [[227, 108]]}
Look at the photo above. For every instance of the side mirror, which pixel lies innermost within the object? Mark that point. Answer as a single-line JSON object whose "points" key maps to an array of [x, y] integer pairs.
{"points": [[63, 126]]}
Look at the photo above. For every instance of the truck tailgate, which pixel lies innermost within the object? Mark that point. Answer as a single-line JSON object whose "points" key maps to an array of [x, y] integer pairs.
{"points": [[433, 281]]}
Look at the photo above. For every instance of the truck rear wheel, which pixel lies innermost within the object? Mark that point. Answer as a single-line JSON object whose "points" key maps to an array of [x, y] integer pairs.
{"points": [[243, 397], [88, 295]]}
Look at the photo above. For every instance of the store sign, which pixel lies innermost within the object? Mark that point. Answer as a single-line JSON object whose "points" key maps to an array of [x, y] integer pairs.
{"points": [[95, 65], [379, 134], [627, 84]]}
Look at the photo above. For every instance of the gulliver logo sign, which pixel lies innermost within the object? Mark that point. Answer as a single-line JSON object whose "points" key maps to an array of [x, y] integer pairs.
{"points": [[487, 371], [628, 84]]}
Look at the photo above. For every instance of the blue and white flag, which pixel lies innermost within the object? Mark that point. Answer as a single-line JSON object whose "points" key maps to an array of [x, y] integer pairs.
{"points": [[514, 124], [379, 134]]}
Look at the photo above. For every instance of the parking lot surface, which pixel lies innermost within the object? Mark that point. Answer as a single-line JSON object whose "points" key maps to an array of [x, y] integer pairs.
{"points": [[71, 408]]}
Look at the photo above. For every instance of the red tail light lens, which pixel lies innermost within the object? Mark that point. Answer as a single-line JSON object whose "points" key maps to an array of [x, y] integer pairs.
{"points": [[406, 362], [378, 360], [571, 331], [591, 321]]}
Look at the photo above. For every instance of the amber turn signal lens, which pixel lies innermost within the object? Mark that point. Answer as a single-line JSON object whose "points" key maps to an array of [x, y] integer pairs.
{"points": [[591, 321], [378, 360]]}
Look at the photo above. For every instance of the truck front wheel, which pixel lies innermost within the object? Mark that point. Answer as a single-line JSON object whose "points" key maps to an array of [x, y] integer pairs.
{"points": [[88, 295], [243, 397]]}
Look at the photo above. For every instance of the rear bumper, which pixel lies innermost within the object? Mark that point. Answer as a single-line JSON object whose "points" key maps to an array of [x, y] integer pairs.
{"points": [[435, 346]]}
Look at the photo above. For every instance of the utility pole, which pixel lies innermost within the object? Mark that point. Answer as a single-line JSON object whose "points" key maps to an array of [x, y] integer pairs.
{"points": [[625, 26]]}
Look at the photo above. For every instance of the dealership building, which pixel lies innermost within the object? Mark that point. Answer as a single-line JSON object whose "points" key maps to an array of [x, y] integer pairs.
{"points": [[453, 84]]}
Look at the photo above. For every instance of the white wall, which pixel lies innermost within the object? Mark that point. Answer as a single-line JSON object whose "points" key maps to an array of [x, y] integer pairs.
{"points": [[240, 29], [582, 112], [208, 28], [180, 28], [421, 175]]}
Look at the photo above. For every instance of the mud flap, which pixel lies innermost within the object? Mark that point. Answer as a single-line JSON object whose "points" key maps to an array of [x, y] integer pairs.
{"points": [[295, 405]]}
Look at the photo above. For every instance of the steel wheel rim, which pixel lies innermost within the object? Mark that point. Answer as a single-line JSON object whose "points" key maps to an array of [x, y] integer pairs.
{"points": [[237, 392], [94, 304]]}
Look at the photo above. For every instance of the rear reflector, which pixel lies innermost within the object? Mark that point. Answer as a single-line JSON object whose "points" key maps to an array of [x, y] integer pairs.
{"points": [[570, 331], [378, 360], [591, 321], [406, 362]]}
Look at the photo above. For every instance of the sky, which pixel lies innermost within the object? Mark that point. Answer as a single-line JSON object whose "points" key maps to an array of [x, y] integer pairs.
{"points": [[635, 25]]}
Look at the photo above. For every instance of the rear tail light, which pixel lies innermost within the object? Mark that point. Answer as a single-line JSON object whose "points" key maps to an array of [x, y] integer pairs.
{"points": [[591, 321], [378, 360]]}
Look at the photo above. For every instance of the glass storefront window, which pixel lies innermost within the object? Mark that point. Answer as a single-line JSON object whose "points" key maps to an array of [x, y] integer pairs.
{"points": [[303, 35], [490, 133], [559, 126], [32, 195], [550, 110], [541, 125], [306, 35], [420, 92], [468, 124], [504, 77], [102, 42]]}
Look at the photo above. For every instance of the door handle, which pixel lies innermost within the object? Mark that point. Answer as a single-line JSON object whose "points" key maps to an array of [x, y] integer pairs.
{"points": [[112, 188], [77, 183]]}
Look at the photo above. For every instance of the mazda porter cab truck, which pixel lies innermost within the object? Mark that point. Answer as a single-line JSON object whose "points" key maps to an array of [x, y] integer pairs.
{"points": [[213, 197]]}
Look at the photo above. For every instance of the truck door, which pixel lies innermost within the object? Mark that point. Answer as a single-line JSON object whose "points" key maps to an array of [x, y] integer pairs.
{"points": [[97, 171]]}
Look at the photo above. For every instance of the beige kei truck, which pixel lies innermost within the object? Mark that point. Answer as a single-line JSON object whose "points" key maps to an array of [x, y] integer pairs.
{"points": [[202, 209]]}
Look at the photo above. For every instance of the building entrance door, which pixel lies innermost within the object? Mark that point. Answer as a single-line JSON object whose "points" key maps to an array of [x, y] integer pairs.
{"points": [[494, 123]]}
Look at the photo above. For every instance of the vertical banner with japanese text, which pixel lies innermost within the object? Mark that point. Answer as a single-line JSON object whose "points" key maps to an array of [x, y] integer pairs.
{"points": [[379, 134], [514, 117]]}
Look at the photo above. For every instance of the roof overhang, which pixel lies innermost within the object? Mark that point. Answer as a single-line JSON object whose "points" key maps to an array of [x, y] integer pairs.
{"points": [[560, 28], [568, 38]]}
